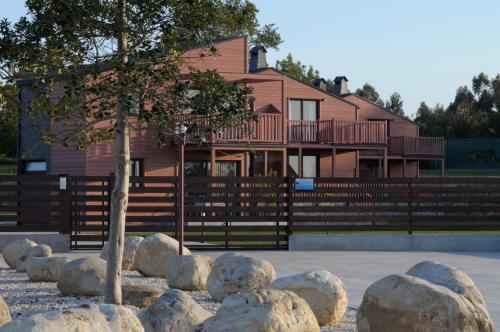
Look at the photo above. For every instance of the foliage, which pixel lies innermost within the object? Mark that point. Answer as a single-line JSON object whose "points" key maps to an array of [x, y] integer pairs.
{"points": [[472, 114], [298, 70], [369, 92], [395, 104], [8, 120]]}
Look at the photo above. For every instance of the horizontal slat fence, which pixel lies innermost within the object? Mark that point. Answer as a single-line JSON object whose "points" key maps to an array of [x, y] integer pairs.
{"points": [[249, 212]]}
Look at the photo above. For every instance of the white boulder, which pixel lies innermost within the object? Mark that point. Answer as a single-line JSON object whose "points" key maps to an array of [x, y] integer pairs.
{"points": [[45, 268], [153, 253], [262, 310], [83, 276], [189, 273], [411, 304], [233, 273], [41, 250], [15, 250], [323, 291], [173, 311], [88, 318], [129, 251]]}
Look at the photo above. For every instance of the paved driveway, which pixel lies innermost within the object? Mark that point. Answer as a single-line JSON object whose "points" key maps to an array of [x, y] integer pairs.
{"points": [[359, 269]]}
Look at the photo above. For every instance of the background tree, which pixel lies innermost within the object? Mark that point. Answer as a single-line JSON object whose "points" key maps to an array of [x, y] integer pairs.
{"points": [[93, 62], [395, 105], [296, 69], [369, 92], [8, 121]]}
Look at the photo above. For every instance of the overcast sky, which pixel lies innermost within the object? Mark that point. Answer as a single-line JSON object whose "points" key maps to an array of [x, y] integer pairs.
{"points": [[423, 49]]}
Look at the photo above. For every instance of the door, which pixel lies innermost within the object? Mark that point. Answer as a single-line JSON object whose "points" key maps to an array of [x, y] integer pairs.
{"points": [[303, 116]]}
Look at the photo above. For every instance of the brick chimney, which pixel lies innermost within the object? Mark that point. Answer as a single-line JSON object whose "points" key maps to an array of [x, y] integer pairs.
{"points": [[257, 59], [340, 87], [320, 83]]}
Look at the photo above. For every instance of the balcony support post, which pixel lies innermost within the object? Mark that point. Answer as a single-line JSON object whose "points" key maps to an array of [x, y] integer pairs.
{"points": [[404, 167], [386, 166], [266, 160], [334, 156], [212, 162], [300, 162], [442, 167], [284, 163], [379, 167]]}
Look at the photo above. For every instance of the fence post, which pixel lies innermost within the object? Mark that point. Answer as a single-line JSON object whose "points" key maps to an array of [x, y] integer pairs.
{"points": [[410, 207], [64, 204], [289, 204]]}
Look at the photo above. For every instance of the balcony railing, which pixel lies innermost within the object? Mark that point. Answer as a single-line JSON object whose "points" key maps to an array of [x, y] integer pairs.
{"points": [[415, 146], [269, 129], [337, 132]]}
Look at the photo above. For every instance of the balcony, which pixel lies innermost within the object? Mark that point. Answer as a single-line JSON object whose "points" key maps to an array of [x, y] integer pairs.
{"points": [[408, 146], [269, 129], [337, 132]]}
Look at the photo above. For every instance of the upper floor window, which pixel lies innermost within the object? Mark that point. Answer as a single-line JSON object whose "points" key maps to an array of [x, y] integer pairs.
{"points": [[301, 109]]}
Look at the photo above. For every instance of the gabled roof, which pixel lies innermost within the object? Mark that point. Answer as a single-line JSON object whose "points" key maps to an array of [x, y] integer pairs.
{"points": [[378, 106], [308, 84]]}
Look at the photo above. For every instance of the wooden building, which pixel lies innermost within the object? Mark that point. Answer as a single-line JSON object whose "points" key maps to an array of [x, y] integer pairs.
{"points": [[303, 131]]}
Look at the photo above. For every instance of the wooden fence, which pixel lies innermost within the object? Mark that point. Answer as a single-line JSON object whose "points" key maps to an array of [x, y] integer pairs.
{"points": [[244, 212]]}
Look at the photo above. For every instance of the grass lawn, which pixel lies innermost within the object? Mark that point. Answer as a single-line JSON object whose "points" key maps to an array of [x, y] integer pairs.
{"points": [[460, 172]]}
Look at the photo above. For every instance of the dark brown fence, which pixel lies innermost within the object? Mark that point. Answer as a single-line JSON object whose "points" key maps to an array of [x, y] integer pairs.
{"points": [[249, 213]]}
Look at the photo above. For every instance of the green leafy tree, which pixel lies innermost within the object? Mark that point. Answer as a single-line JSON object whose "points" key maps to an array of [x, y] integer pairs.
{"points": [[91, 62], [8, 120], [296, 69], [369, 92], [395, 104]]}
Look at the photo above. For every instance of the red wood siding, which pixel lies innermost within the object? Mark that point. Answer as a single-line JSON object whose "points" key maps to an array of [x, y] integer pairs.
{"points": [[232, 55], [369, 111]]}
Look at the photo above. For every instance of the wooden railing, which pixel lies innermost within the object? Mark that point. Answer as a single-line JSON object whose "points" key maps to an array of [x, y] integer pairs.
{"points": [[337, 132], [415, 146], [268, 129]]}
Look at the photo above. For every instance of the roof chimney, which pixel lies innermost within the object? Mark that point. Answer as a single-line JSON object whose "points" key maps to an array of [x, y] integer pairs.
{"points": [[257, 58], [320, 83], [340, 87]]}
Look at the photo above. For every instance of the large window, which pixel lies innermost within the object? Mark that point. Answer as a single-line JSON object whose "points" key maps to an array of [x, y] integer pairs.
{"points": [[309, 165], [303, 110], [202, 168]]}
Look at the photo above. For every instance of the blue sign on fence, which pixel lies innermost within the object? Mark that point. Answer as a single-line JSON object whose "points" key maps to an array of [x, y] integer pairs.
{"points": [[304, 184]]}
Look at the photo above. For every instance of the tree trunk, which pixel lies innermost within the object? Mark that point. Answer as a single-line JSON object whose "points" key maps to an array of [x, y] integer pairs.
{"points": [[119, 196]]}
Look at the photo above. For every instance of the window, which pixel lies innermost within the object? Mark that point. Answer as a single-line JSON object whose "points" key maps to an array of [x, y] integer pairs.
{"points": [[303, 110], [197, 168], [203, 168], [34, 166], [309, 165], [136, 169]]}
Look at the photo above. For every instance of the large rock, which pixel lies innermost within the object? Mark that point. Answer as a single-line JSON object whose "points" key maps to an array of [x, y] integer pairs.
{"points": [[129, 250], [140, 295], [91, 318], [189, 272], [45, 268], [15, 250], [411, 304], [173, 311], [262, 311], [41, 250], [83, 276], [323, 291], [449, 277], [4, 312], [153, 253], [233, 273]]}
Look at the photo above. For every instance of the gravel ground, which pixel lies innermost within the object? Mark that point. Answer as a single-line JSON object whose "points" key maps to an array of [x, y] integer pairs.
{"points": [[25, 297]]}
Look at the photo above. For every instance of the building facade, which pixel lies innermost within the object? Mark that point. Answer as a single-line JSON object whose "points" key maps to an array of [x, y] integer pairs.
{"points": [[303, 130]]}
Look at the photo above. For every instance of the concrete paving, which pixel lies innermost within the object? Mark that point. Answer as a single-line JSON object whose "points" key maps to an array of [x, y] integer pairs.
{"points": [[359, 269]]}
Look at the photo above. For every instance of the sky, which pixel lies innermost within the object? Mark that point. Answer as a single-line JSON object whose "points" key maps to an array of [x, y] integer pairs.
{"points": [[423, 49]]}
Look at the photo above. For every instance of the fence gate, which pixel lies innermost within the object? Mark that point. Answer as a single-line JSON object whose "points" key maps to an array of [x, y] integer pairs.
{"points": [[89, 210]]}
